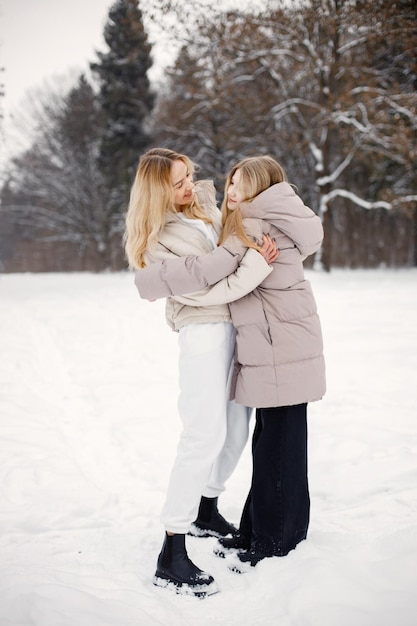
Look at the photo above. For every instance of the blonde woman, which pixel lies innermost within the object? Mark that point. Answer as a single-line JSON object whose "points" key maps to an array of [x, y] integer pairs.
{"points": [[169, 217], [279, 356]]}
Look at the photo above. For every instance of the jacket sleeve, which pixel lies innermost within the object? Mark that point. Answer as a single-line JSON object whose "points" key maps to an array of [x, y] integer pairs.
{"points": [[185, 274], [251, 272], [306, 232]]}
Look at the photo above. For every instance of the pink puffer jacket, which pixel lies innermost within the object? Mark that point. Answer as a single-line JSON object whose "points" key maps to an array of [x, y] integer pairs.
{"points": [[279, 346]]}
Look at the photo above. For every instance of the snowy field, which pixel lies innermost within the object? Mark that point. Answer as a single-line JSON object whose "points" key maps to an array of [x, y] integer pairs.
{"points": [[89, 428]]}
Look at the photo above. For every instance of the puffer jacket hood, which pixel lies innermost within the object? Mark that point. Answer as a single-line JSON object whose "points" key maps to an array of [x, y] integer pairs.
{"points": [[281, 207]]}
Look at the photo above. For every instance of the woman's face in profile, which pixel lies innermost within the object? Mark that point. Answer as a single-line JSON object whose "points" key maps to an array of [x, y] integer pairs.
{"points": [[234, 192], [182, 182]]}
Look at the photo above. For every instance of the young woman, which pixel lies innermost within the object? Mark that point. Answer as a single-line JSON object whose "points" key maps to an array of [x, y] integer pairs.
{"points": [[279, 356], [168, 217]]}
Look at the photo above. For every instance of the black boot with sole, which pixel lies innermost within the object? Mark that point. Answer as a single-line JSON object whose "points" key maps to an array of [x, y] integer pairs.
{"points": [[176, 571], [231, 545], [209, 522]]}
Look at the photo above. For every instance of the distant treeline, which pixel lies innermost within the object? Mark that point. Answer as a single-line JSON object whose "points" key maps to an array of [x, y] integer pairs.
{"points": [[328, 88]]}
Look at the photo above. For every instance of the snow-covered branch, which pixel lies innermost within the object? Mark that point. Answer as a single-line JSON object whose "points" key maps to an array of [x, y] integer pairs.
{"points": [[391, 100], [344, 193], [350, 120], [404, 200], [318, 156], [326, 180], [291, 102]]}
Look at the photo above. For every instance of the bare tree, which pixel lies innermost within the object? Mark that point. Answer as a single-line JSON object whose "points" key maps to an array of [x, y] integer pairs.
{"points": [[328, 86], [353, 115], [216, 102], [55, 188]]}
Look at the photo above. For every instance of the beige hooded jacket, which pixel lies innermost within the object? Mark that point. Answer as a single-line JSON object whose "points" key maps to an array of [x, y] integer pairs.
{"points": [[179, 240]]}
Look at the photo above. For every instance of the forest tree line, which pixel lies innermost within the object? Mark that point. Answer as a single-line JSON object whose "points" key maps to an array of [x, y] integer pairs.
{"points": [[327, 87]]}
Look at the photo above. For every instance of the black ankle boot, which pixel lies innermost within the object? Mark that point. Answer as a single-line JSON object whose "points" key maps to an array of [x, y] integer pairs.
{"points": [[231, 545], [176, 571], [209, 522]]}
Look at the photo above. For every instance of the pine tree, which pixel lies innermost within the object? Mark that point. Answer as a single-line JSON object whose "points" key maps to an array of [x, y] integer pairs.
{"points": [[125, 98]]}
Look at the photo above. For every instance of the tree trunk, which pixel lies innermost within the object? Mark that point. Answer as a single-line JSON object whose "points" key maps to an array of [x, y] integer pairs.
{"points": [[326, 255], [415, 237]]}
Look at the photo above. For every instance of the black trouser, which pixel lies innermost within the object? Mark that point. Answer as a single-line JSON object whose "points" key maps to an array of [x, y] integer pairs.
{"points": [[277, 510]]}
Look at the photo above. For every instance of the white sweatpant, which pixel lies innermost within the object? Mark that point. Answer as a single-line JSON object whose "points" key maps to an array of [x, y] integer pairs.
{"points": [[215, 430]]}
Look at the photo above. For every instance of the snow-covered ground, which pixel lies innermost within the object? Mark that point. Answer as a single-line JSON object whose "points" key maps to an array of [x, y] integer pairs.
{"points": [[89, 428]]}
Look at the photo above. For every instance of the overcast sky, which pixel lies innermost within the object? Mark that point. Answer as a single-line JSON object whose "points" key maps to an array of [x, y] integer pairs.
{"points": [[43, 38]]}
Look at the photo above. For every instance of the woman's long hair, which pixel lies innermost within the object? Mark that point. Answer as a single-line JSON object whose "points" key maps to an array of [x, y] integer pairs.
{"points": [[257, 173], [151, 199]]}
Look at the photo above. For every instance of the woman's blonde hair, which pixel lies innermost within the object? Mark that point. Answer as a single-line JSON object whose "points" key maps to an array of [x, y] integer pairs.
{"points": [[257, 174], [151, 199]]}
